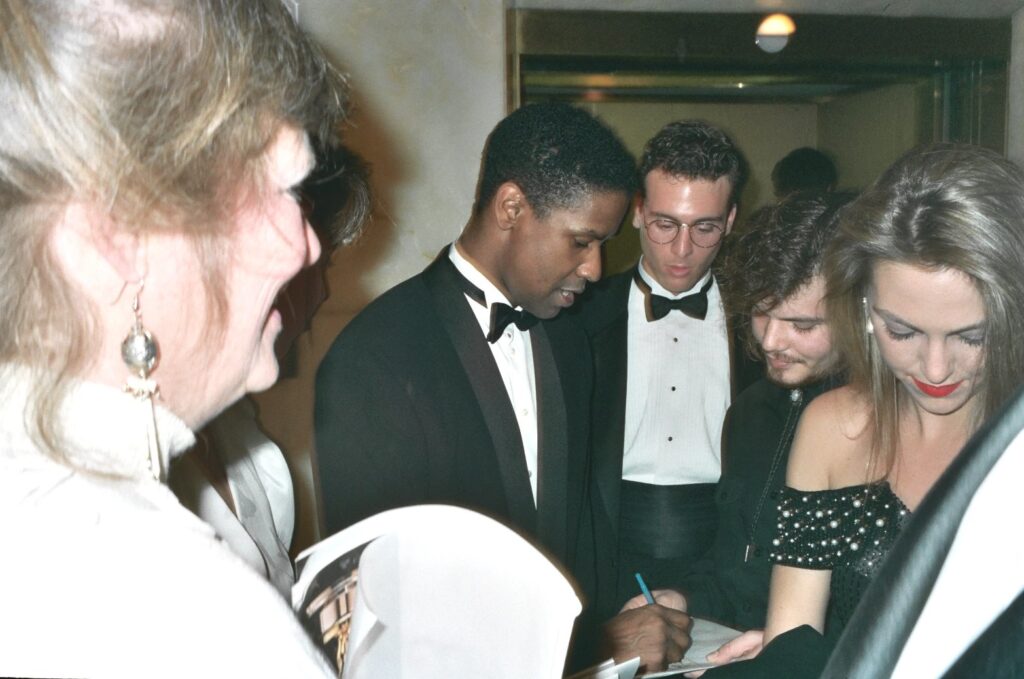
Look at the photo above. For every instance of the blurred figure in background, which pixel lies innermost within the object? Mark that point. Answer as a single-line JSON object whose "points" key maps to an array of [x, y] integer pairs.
{"points": [[804, 169]]}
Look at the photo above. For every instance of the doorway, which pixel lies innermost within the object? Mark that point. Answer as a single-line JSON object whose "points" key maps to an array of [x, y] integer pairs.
{"points": [[861, 89]]}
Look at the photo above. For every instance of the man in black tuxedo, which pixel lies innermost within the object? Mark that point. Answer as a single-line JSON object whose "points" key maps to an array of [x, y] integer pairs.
{"points": [[459, 385], [662, 366]]}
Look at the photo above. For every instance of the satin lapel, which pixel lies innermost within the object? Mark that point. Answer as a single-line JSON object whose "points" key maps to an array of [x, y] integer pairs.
{"points": [[608, 344], [552, 447], [482, 372]]}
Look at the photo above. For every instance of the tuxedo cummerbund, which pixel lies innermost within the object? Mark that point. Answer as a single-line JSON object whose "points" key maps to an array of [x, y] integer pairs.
{"points": [[666, 522]]}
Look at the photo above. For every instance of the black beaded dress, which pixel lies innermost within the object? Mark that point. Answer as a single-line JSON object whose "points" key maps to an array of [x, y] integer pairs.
{"points": [[847, 530]]}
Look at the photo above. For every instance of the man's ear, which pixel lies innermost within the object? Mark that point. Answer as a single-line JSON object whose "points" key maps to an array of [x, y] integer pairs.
{"points": [[638, 211], [730, 220], [509, 204], [121, 251]]}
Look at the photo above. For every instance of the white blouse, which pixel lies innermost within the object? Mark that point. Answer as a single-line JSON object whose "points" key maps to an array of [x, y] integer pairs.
{"points": [[106, 574]]}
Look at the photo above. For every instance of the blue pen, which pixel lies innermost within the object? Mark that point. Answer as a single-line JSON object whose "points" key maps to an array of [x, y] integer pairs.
{"points": [[643, 588]]}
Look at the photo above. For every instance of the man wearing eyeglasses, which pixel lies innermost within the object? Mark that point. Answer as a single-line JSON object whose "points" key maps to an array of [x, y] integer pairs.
{"points": [[662, 369]]}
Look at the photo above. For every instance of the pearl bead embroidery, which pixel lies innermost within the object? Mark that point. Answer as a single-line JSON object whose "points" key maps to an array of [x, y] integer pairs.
{"points": [[848, 531]]}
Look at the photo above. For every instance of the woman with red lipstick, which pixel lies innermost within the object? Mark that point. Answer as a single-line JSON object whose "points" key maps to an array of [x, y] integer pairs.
{"points": [[925, 297]]}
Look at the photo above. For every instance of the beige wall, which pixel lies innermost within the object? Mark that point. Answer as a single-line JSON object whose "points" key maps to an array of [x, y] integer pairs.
{"points": [[1015, 96], [428, 83], [864, 133]]}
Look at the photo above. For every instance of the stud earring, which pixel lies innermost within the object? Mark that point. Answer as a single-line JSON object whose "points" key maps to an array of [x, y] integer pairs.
{"points": [[141, 353], [869, 326]]}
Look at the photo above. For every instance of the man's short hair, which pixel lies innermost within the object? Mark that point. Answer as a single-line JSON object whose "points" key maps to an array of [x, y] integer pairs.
{"points": [[804, 169], [557, 155], [694, 149]]}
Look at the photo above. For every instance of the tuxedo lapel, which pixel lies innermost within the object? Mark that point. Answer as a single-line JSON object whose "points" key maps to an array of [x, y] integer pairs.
{"points": [[608, 328], [552, 446], [441, 279]]}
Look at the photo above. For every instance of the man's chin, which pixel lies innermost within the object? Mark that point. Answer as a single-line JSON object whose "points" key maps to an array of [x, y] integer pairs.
{"points": [[792, 380], [544, 312]]}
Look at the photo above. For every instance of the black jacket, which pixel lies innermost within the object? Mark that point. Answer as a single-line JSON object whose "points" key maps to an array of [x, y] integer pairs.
{"points": [[726, 585], [411, 408]]}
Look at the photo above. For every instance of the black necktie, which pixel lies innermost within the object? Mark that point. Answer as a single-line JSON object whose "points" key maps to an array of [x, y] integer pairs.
{"points": [[501, 314], [657, 307]]}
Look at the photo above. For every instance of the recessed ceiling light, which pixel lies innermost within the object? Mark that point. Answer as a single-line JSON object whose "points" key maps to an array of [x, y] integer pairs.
{"points": [[773, 33]]}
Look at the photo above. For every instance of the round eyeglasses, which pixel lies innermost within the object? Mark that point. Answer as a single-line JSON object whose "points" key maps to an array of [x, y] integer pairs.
{"points": [[702, 234]]}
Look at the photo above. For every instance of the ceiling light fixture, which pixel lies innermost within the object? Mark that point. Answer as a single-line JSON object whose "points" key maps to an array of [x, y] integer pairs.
{"points": [[773, 33]]}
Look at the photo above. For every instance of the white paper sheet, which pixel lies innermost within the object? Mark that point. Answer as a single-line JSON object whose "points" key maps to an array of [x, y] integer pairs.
{"points": [[451, 593]]}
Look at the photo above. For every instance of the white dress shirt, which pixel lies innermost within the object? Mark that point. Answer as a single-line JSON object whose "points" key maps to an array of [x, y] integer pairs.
{"points": [[677, 391], [514, 355]]}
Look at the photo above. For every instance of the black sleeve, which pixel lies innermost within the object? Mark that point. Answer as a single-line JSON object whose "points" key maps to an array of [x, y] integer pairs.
{"points": [[370, 453], [707, 595]]}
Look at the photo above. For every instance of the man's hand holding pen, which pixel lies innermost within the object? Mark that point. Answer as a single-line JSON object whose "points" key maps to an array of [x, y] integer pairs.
{"points": [[657, 632]]}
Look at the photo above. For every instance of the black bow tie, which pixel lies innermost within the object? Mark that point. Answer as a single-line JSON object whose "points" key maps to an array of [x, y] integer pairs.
{"points": [[501, 314], [657, 307]]}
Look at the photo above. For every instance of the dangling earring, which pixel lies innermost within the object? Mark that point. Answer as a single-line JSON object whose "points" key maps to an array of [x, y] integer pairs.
{"points": [[140, 353], [869, 326]]}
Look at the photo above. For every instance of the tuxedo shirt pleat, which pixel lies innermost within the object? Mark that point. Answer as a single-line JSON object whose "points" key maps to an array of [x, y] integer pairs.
{"points": [[677, 391]]}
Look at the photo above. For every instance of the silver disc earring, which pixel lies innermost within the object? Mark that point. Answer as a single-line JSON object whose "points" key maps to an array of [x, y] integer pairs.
{"points": [[141, 353], [139, 350]]}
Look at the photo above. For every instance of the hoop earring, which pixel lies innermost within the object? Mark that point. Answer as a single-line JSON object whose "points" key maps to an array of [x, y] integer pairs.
{"points": [[141, 353]]}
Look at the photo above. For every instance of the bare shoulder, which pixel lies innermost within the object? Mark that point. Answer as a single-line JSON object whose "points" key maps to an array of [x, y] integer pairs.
{"points": [[833, 430]]}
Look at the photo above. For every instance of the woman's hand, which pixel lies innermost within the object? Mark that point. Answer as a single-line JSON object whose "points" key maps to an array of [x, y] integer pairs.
{"points": [[743, 647]]}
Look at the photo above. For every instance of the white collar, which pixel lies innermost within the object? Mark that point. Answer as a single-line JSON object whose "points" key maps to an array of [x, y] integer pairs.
{"points": [[103, 429], [657, 289], [477, 278]]}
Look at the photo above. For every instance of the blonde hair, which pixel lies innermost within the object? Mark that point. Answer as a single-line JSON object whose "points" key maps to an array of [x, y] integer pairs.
{"points": [[157, 111], [946, 206]]}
